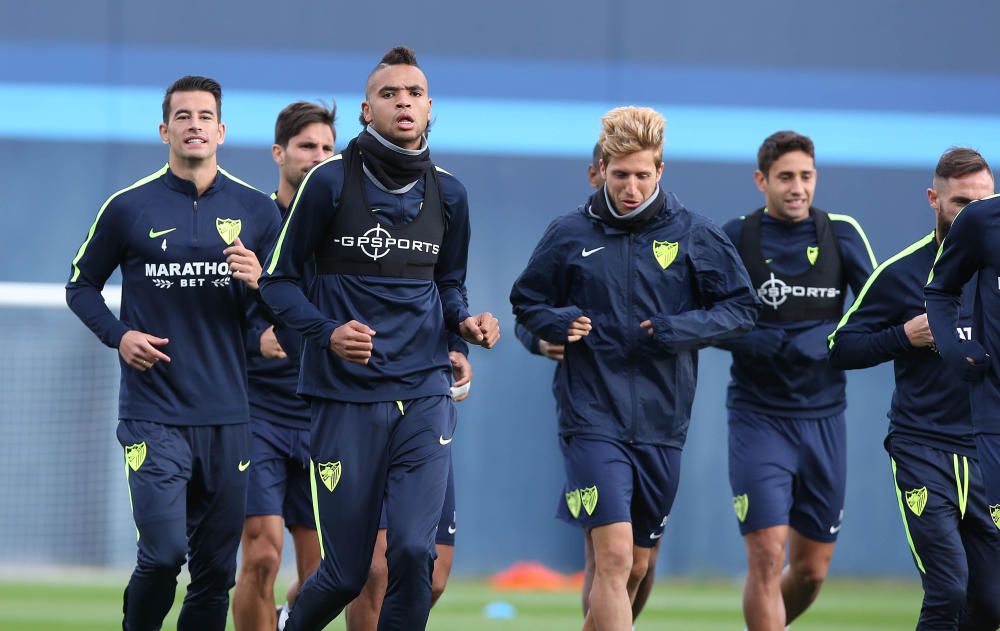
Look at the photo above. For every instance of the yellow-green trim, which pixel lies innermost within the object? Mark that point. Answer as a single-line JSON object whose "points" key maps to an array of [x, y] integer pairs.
{"points": [[238, 180], [315, 499], [857, 226], [907, 251], [902, 513], [963, 490], [273, 263], [131, 505], [93, 227], [274, 197], [442, 170]]}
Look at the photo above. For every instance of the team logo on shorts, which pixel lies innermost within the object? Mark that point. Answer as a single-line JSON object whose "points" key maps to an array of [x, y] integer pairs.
{"points": [[995, 514], [329, 473], [812, 253], [588, 497], [664, 252], [135, 455], [917, 500], [228, 229], [741, 504], [573, 502]]}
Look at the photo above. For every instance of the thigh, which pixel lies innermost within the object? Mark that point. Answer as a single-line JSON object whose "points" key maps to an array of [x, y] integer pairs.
{"points": [[980, 534], [821, 478], [600, 476], [988, 457], [297, 508], [762, 462], [448, 525], [267, 475], [656, 476], [928, 505], [158, 469]]}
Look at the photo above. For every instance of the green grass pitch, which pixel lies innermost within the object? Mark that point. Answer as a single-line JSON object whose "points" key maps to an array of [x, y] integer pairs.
{"points": [[52, 604]]}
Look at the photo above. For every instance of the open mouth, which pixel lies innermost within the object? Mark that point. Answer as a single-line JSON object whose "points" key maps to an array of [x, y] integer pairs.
{"points": [[195, 140], [405, 121]]}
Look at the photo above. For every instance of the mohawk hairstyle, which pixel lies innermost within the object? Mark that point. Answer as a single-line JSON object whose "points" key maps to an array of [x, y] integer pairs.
{"points": [[397, 56]]}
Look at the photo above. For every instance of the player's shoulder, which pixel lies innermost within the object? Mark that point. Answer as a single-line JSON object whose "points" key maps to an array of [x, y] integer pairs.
{"points": [[136, 195], [987, 207], [452, 189], [912, 262], [845, 225]]}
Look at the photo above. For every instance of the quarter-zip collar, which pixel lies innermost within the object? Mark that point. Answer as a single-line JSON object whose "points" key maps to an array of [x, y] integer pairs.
{"points": [[187, 186]]}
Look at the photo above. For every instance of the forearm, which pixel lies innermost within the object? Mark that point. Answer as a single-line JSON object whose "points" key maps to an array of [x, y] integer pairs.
{"points": [[856, 349], [291, 306], [88, 305], [699, 328], [548, 323], [527, 339]]}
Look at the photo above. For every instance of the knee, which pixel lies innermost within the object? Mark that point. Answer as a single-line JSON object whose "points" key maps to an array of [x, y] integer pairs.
{"points": [[638, 572], [765, 556], [378, 574], [410, 554], [946, 602], [261, 561], [162, 556], [615, 561], [985, 610], [809, 575]]}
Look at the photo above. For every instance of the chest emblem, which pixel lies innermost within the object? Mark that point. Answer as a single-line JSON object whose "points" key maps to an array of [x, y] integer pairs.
{"points": [[812, 253], [665, 252], [228, 229]]}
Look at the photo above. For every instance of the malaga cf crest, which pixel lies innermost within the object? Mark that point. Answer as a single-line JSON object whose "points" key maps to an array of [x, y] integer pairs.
{"points": [[917, 500], [329, 473], [228, 229], [995, 514], [812, 253], [664, 252], [741, 504], [588, 497], [573, 502], [135, 455]]}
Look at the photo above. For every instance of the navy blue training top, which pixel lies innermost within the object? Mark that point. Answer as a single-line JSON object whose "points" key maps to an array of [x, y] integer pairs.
{"points": [[970, 252], [411, 317], [168, 242], [930, 404], [781, 368]]}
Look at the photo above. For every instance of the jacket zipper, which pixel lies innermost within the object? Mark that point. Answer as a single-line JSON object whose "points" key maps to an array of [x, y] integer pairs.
{"points": [[631, 337], [194, 217]]}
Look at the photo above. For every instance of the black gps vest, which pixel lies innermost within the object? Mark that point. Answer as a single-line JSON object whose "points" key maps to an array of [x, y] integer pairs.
{"points": [[818, 294], [360, 245]]}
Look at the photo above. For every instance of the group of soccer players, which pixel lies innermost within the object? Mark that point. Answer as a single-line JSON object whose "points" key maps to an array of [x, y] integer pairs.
{"points": [[292, 362]]}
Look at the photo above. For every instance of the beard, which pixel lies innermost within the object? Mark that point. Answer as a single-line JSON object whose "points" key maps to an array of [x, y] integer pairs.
{"points": [[943, 226]]}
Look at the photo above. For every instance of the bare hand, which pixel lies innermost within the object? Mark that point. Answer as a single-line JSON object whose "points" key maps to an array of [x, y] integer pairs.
{"points": [[648, 325], [353, 342], [243, 263], [462, 371], [578, 328], [482, 330], [139, 350], [555, 352], [269, 345], [918, 331]]}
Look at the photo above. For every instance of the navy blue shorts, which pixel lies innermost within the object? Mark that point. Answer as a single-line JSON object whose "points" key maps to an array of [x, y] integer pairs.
{"points": [[610, 482], [952, 534], [788, 471], [448, 525], [279, 477]]}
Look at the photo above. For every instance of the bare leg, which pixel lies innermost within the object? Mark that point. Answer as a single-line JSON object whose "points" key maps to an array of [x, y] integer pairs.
{"points": [[610, 604], [646, 585], [442, 570], [253, 597], [808, 561], [307, 559], [763, 607], [588, 570]]}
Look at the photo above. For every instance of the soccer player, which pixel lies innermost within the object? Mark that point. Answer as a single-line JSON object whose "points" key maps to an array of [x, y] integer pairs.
{"points": [[633, 284], [954, 542], [555, 352], [787, 458], [180, 237], [389, 234], [970, 252], [362, 613], [279, 492]]}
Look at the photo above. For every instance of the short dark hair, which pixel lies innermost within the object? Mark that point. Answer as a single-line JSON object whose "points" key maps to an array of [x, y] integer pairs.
{"points": [[778, 144], [299, 115], [595, 156], [193, 83], [397, 56], [960, 161]]}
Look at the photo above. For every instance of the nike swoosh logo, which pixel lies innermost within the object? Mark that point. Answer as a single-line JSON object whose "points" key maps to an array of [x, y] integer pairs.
{"points": [[244, 466], [153, 234], [452, 530], [587, 252], [835, 529], [654, 536], [445, 441]]}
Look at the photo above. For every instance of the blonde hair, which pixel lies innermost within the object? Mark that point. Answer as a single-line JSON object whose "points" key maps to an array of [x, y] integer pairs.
{"points": [[630, 129]]}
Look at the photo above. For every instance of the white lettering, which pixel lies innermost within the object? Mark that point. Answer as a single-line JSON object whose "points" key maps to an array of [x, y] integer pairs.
{"points": [[150, 269], [418, 246], [188, 269], [175, 269]]}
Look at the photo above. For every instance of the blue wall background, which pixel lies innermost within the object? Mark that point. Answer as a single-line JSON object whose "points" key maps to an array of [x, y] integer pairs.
{"points": [[519, 87]]}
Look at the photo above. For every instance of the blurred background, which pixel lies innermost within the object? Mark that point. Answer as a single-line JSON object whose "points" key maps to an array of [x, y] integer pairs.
{"points": [[519, 87]]}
